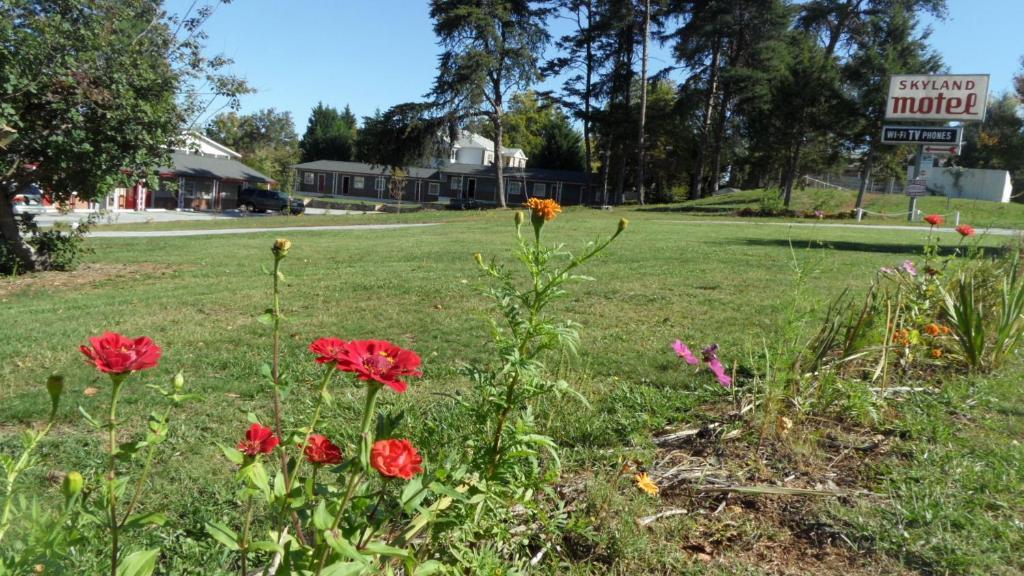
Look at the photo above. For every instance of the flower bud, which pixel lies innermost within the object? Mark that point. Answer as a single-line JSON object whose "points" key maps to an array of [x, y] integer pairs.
{"points": [[623, 224], [519, 218], [178, 382], [72, 485], [55, 386], [281, 246], [479, 258]]}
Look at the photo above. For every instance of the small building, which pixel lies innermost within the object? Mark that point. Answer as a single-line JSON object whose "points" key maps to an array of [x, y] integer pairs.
{"points": [[448, 181], [202, 175], [473, 148]]}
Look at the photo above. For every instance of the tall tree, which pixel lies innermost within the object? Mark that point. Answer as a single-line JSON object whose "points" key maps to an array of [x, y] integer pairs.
{"points": [[576, 57], [643, 103], [1018, 82], [266, 140], [560, 146], [330, 135], [998, 142], [491, 50], [96, 91], [886, 45]]}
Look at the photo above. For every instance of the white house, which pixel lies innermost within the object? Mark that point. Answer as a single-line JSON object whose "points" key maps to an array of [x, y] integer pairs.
{"points": [[474, 149]]}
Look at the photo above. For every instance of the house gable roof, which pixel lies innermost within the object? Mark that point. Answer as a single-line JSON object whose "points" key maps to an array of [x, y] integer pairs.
{"points": [[363, 168], [196, 166]]}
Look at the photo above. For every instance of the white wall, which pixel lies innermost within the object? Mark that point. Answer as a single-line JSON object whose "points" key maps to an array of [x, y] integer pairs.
{"points": [[469, 156], [991, 185]]}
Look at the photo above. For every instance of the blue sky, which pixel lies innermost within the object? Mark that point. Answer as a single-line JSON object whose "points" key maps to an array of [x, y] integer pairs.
{"points": [[372, 54]]}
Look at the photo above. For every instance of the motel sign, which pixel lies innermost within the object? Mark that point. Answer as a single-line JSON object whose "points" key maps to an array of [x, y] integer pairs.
{"points": [[950, 97]]}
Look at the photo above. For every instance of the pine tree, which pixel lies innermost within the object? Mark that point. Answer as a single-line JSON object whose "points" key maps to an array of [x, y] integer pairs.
{"points": [[330, 135]]}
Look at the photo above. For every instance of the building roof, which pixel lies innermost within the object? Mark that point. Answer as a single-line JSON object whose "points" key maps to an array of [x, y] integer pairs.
{"points": [[196, 143], [469, 139], [196, 166], [341, 166], [458, 169]]}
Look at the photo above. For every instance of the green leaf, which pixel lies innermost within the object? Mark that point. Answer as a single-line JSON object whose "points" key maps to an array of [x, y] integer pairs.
{"points": [[427, 568], [266, 546], [137, 520], [141, 563], [267, 318], [233, 455], [321, 519], [266, 371], [339, 544], [385, 550], [88, 418], [223, 534], [343, 569]]}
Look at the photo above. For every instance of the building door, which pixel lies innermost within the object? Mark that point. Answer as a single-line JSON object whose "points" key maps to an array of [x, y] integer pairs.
{"points": [[321, 182], [471, 188], [344, 185]]}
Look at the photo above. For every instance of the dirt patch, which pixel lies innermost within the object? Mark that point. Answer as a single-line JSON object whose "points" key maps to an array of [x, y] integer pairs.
{"points": [[85, 276]]}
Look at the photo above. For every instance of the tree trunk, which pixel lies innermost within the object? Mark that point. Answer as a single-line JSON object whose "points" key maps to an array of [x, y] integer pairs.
{"points": [[499, 127], [604, 168], [869, 163], [643, 105], [716, 166], [790, 176], [588, 90], [697, 176], [11, 235]]}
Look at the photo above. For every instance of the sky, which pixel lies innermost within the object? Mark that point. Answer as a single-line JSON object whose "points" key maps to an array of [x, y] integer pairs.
{"points": [[372, 54]]}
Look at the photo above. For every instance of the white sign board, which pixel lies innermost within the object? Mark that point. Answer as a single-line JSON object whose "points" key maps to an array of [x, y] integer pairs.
{"points": [[950, 97]]}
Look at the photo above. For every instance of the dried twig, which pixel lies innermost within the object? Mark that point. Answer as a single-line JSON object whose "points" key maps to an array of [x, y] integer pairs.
{"points": [[646, 520]]}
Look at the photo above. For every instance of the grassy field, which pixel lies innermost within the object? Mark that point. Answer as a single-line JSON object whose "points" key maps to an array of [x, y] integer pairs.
{"points": [[886, 208], [949, 484]]}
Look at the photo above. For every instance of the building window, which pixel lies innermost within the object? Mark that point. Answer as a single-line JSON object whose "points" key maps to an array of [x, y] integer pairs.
{"points": [[456, 182], [378, 183], [515, 188], [540, 189], [307, 177], [357, 183], [434, 188]]}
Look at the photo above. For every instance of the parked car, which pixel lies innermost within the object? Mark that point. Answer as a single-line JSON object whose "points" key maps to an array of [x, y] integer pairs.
{"points": [[28, 204], [259, 200], [463, 204]]}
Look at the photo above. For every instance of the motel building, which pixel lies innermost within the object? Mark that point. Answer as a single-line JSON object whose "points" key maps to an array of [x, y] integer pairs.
{"points": [[203, 175]]}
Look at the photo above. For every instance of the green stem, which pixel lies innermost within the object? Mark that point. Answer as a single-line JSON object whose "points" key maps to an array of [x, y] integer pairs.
{"points": [[244, 547], [369, 410], [312, 427], [20, 466], [142, 477], [114, 527]]}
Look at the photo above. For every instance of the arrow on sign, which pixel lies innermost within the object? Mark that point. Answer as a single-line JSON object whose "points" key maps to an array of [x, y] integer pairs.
{"points": [[941, 149]]}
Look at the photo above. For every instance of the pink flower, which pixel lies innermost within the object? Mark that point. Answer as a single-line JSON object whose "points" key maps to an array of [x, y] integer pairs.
{"points": [[683, 352], [719, 371], [909, 267]]}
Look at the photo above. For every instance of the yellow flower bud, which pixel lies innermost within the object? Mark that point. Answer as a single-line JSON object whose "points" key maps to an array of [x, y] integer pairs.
{"points": [[479, 258], [178, 382], [623, 224], [281, 247], [519, 218]]}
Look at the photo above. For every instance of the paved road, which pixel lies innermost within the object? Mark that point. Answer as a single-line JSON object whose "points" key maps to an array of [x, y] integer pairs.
{"points": [[754, 222], [133, 217], [280, 230]]}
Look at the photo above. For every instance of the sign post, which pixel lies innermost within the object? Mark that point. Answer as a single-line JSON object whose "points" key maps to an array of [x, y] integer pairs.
{"points": [[922, 97]]}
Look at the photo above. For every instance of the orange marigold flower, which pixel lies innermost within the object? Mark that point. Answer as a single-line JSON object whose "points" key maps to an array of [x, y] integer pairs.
{"points": [[933, 329], [936, 352], [946, 329], [644, 482], [544, 208]]}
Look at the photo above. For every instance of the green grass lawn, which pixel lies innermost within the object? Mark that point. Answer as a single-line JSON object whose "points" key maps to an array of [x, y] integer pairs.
{"points": [[888, 208], [952, 491]]}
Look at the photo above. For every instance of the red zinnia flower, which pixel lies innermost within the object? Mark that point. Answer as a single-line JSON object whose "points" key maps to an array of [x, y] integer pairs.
{"points": [[320, 450], [114, 354], [965, 230], [258, 440], [379, 361], [933, 219], [396, 458], [327, 350]]}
